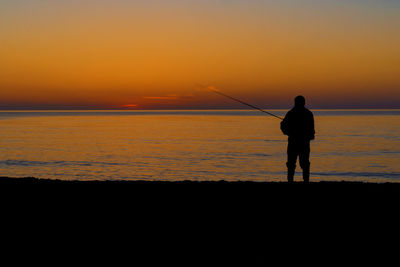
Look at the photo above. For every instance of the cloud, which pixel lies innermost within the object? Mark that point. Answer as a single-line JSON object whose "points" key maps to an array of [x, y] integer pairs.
{"points": [[130, 106], [169, 97], [161, 97], [200, 87]]}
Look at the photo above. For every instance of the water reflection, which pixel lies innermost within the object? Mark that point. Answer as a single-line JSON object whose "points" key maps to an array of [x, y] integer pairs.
{"points": [[199, 146]]}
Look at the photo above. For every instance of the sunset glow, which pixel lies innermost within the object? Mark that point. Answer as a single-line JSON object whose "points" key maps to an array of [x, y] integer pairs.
{"points": [[153, 54]]}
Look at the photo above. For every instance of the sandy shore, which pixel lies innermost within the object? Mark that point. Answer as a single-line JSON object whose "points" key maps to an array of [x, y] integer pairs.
{"points": [[194, 185], [204, 200], [205, 191], [244, 223], [202, 204]]}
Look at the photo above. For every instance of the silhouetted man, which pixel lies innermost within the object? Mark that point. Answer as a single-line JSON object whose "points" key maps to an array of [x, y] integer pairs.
{"points": [[298, 124]]}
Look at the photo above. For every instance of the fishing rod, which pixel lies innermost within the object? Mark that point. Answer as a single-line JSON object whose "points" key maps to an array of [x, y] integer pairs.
{"points": [[212, 89]]}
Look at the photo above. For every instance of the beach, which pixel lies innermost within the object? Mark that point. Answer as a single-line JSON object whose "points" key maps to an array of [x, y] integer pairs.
{"points": [[257, 194], [206, 205], [207, 223]]}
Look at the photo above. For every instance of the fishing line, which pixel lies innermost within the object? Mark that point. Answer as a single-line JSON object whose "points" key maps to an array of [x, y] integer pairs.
{"points": [[212, 89]]}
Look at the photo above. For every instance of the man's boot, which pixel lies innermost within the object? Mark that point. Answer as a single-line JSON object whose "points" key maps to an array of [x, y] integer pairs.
{"points": [[290, 173], [306, 175]]}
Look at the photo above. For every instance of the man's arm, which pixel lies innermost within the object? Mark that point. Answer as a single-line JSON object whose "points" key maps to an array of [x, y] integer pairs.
{"points": [[312, 128], [285, 125]]}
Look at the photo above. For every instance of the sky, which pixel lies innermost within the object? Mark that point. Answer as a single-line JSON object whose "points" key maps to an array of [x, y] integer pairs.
{"points": [[161, 54]]}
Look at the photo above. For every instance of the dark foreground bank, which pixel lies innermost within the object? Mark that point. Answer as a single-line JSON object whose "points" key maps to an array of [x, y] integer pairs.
{"points": [[255, 194], [192, 223], [343, 184], [328, 185], [204, 199], [217, 187]]}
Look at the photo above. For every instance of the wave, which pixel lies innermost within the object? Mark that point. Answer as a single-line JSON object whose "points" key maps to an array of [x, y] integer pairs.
{"points": [[360, 174], [29, 163]]}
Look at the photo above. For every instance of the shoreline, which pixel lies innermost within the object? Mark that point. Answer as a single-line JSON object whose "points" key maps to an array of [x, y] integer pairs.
{"points": [[215, 189], [35, 180], [211, 195]]}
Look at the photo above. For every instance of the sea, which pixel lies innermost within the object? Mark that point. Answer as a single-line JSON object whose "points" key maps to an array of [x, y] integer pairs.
{"points": [[197, 145]]}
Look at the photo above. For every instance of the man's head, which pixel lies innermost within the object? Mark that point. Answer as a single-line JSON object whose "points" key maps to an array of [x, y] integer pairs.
{"points": [[299, 101]]}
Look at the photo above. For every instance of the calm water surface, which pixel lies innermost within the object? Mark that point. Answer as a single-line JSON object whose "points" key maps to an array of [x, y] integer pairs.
{"points": [[352, 145]]}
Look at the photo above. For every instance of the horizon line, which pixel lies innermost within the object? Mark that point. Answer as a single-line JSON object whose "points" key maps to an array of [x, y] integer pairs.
{"points": [[185, 109]]}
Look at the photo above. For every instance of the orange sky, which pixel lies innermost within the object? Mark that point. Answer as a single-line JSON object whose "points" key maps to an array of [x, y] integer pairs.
{"points": [[153, 54]]}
